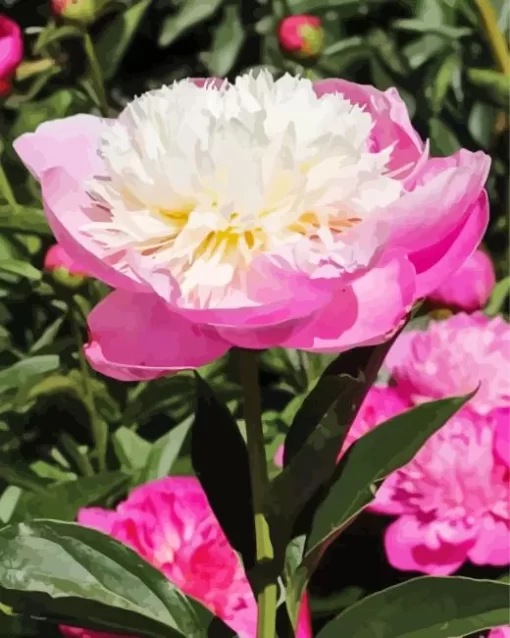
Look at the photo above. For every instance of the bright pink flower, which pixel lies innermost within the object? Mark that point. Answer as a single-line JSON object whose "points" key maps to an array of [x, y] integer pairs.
{"points": [[301, 35], [470, 287], [57, 257], [258, 214], [170, 524], [500, 632], [452, 500], [451, 358], [502, 435], [11, 52]]}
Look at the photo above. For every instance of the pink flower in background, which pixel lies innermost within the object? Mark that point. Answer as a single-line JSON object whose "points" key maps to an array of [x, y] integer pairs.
{"points": [[451, 358], [57, 257], [500, 632], [11, 52], [301, 35], [256, 214], [470, 287], [170, 524], [452, 501]]}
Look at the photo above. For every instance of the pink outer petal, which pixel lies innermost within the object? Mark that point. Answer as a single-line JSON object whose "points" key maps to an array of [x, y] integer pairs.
{"points": [[470, 287], [71, 142], [492, 545], [440, 203], [135, 337], [404, 542], [65, 203], [392, 124], [366, 313], [434, 265], [500, 632], [97, 518]]}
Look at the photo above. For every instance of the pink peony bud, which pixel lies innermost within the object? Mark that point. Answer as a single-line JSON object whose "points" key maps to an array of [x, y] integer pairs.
{"points": [[80, 11], [11, 52], [470, 287], [64, 268], [301, 35]]}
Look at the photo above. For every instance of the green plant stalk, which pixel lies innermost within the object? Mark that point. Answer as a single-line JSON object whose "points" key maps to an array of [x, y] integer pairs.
{"points": [[496, 39], [96, 75], [6, 190], [99, 432], [267, 596]]}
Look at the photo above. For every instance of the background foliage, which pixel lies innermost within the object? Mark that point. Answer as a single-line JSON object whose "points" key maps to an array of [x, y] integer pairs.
{"points": [[90, 438]]}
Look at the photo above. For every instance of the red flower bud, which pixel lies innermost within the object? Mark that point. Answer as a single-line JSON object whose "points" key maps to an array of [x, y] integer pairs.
{"points": [[80, 11], [11, 52], [64, 268], [301, 35]]}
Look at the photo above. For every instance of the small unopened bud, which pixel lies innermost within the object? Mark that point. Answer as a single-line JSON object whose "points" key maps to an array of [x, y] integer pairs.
{"points": [[63, 268], [301, 36], [11, 52], [79, 11]]}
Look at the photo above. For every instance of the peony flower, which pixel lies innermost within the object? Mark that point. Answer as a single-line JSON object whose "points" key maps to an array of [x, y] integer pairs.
{"points": [[301, 35], [452, 500], [500, 632], [451, 358], [470, 287], [11, 52], [170, 524], [255, 214], [502, 436]]}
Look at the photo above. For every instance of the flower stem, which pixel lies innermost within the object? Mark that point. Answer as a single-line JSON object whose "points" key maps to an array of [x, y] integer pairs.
{"points": [[494, 36], [99, 428], [96, 75], [267, 596]]}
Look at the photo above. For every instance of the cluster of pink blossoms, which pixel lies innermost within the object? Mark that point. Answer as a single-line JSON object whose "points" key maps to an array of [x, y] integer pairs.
{"points": [[452, 500], [170, 523]]}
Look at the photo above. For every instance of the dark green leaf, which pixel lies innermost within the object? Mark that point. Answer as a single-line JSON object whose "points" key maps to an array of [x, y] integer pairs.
{"points": [[164, 453], [445, 31], [227, 42], [76, 576], [220, 460], [190, 13], [27, 370], [443, 140], [132, 451], [442, 81], [16, 472], [21, 268], [425, 607], [24, 220], [63, 500], [113, 43]]}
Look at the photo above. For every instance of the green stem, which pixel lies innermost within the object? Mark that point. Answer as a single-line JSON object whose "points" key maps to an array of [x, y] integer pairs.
{"points": [[96, 75], [267, 596], [6, 190], [99, 429], [496, 39]]}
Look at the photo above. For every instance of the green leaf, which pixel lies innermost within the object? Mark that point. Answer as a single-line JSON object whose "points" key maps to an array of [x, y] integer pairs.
{"points": [[24, 220], [72, 575], [443, 140], [443, 30], [16, 472], [425, 607], [224, 474], [114, 41], [21, 268], [132, 451], [228, 39], [493, 85], [373, 457], [63, 500], [442, 81], [499, 296], [48, 336], [189, 14], [164, 453], [27, 370]]}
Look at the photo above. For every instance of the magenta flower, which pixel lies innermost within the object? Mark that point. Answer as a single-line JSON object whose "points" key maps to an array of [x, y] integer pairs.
{"points": [[11, 52], [500, 632], [170, 524], [451, 358], [470, 287], [256, 214], [452, 500]]}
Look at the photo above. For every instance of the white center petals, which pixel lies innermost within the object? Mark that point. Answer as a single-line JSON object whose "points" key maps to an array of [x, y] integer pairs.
{"points": [[202, 180]]}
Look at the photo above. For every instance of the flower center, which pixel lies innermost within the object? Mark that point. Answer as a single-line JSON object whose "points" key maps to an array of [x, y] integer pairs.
{"points": [[202, 181]]}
